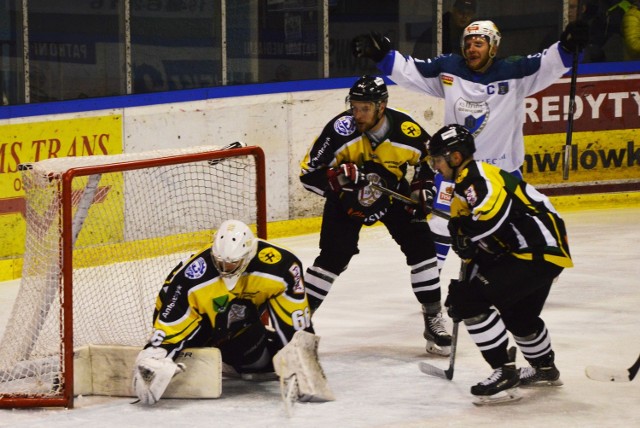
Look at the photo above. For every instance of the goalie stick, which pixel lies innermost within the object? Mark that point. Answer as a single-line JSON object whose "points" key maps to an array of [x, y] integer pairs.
{"points": [[607, 374]]}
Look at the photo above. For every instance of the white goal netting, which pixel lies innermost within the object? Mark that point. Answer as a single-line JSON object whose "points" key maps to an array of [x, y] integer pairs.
{"points": [[130, 220]]}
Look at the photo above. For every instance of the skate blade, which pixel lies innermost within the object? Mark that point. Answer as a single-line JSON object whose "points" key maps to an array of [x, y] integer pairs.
{"points": [[542, 383], [503, 397], [442, 351]]}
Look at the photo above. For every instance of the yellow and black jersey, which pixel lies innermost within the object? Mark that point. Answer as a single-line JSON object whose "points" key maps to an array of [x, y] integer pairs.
{"points": [[195, 293], [504, 214], [340, 142], [385, 163]]}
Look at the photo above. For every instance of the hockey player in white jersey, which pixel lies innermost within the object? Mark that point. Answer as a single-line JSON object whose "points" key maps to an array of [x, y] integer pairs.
{"points": [[480, 91]]}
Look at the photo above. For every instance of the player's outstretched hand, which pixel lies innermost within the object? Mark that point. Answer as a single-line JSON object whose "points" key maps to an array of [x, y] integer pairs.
{"points": [[373, 46], [346, 178], [575, 36]]}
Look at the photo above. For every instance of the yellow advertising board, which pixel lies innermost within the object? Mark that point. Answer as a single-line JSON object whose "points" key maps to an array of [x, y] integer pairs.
{"points": [[32, 142]]}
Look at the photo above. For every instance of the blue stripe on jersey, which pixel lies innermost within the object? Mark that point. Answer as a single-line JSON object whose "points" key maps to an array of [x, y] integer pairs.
{"points": [[515, 67]]}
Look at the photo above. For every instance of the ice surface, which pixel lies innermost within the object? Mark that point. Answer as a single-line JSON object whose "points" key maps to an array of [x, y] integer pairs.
{"points": [[371, 342]]}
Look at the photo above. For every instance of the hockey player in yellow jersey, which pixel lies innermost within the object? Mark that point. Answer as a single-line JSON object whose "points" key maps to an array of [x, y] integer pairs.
{"points": [[514, 244], [372, 143], [216, 298]]}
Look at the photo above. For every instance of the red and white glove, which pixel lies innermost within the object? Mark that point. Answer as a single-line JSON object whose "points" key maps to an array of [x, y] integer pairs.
{"points": [[423, 192], [346, 178]]}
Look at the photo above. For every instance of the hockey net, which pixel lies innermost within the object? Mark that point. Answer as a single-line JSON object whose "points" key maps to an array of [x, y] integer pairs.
{"points": [[103, 233]]}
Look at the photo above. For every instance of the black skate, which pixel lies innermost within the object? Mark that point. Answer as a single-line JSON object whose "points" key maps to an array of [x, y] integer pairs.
{"points": [[438, 340], [542, 372], [500, 387], [540, 376]]}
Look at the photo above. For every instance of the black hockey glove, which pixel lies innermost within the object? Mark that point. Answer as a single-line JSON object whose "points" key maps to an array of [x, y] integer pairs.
{"points": [[575, 36], [373, 46], [346, 178], [423, 192], [461, 243], [452, 302]]}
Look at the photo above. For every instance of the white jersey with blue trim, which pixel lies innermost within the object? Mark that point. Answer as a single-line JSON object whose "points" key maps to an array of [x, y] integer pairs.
{"points": [[489, 104]]}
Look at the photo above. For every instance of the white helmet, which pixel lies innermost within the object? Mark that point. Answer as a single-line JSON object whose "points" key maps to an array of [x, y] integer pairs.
{"points": [[483, 28], [233, 248]]}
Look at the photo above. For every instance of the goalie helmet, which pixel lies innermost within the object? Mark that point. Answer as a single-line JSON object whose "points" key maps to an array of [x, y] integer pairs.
{"points": [[452, 138], [368, 89], [487, 29], [233, 248]]}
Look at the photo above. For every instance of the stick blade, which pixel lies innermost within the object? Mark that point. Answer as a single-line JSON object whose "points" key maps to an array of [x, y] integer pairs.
{"points": [[431, 370], [607, 374]]}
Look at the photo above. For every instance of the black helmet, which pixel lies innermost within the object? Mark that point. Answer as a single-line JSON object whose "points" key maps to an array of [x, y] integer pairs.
{"points": [[368, 88], [452, 138]]}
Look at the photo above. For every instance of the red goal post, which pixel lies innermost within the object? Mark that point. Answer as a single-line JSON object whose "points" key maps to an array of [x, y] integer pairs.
{"points": [[103, 232]]}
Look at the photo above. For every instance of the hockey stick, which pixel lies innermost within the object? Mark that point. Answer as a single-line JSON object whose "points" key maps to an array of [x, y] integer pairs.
{"points": [[406, 199], [568, 148], [234, 145], [429, 369], [606, 374]]}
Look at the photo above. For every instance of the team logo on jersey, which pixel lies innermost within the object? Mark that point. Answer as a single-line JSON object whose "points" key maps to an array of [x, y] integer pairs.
{"points": [[445, 193], [344, 125], [470, 195], [220, 303], [446, 80], [503, 88], [296, 273], [196, 269], [410, 129], [473, 115], [368, 196], [270, 256]]}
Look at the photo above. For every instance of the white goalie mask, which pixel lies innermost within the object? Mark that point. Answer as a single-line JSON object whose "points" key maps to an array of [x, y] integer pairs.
{"points": [[233, 248], [487, 29]]}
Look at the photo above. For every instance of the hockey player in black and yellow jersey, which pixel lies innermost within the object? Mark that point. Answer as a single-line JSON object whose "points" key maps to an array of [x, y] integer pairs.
{"points": [[514, 244], [372, 143], [216, 298]]}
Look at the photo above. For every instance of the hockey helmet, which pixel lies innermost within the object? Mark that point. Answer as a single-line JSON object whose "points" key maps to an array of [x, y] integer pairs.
{"points": [[487, 29], [234, 245], [368, 89], [452, 138]]}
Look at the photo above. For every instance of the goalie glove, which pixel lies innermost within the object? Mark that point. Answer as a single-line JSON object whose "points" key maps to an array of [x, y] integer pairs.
{"points": [[373, 45], [346, 178], [152, 373]]}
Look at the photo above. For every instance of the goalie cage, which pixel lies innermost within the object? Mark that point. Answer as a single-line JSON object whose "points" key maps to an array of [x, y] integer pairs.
{"points": [[102, 234]]}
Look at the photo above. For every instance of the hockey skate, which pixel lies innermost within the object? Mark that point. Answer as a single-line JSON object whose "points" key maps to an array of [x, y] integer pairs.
{"points": [[542, 372], [500, 387], [540, 376], [438, 340]]}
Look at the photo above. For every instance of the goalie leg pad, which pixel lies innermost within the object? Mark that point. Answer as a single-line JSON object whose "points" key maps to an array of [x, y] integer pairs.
{"points": [[299, 358], [109, 370]]}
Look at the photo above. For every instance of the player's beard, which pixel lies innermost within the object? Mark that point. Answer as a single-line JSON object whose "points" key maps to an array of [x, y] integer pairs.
{"points": [[364, 126]]}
